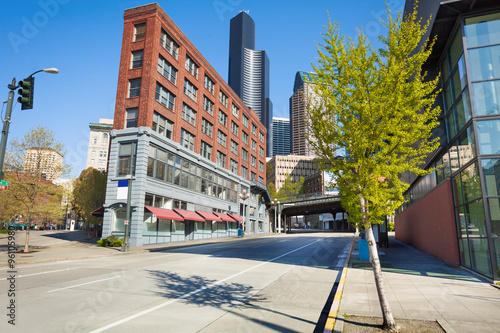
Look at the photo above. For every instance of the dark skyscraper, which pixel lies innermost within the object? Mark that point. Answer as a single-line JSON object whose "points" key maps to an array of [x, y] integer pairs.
{"points": [[249, 71]]}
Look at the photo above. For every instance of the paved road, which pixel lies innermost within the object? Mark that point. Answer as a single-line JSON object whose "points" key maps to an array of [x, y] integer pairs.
{"points": [[270, 284]]}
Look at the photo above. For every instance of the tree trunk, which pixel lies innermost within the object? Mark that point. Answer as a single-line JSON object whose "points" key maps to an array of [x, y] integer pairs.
{"points": [[27, 240], [389, 323]]}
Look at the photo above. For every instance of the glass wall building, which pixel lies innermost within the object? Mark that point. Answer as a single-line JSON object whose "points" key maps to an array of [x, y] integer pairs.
{"points": [[281, 136], [467, 57]]}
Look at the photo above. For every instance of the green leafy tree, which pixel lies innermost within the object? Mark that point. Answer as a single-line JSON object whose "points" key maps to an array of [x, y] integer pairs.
{"points": [[89, 191], [290, 189], [376, 105], [271, 188], [28, 188]]}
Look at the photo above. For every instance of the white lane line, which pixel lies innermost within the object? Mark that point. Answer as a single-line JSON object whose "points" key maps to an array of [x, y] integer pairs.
{"points": [[161, 305], [47, 272], [83, 284]]}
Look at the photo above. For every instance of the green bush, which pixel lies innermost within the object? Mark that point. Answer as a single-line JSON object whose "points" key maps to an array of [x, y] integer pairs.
{"points": [[4, 231], [390, 226], [112, 241]]}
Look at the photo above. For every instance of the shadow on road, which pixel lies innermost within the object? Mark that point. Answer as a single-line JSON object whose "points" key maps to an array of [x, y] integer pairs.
{"points": [[201, 291]]}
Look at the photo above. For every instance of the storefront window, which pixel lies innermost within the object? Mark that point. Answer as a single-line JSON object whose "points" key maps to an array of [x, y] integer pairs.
{"points": [[480, 255], [476, 221], [119, 219]]}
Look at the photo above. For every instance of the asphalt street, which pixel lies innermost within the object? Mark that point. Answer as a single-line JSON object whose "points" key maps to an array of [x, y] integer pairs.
{"points": [[270, 284]]}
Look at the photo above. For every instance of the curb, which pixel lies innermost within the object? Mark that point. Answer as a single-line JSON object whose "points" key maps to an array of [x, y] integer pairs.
{"points": [[332, 315]]}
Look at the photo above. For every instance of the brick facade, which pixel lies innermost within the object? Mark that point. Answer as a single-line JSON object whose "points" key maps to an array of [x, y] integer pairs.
{"points": [[156, 20], [429, 225]]}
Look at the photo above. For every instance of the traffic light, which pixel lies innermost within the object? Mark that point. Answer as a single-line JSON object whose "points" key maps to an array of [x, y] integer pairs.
{"points": [[26, 99]]}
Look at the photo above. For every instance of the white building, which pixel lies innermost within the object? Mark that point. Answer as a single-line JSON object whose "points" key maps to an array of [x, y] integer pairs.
{"points": [[44, 161], [97, 155]]}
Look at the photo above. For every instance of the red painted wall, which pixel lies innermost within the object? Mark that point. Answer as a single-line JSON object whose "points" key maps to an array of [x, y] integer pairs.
{"points": [[429, 225]]}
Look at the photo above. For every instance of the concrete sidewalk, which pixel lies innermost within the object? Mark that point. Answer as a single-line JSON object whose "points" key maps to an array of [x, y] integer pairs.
{"points": [[418, 286]]}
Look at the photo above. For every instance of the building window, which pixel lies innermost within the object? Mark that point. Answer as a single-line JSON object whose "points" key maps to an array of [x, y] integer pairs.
{"points": [[131, 120], [244, 137], [137, 58], [261, 151], [187, 139], [233, 166], [209, 84], [162, 125], [92, 161], [206, 150], [208, 105], [244, 173], [223, 98], [189, 114], [254, 129], [190, 90], [105, 137], [235, 111], [253, 176], [261, 137], [245, 120], [222, 118], [221, 138], [221, 159], [253, 161], [139, 32], [261, 166], [254, 145], [206, 127], [93, 153], [234, 128], [165, 97], [244, 154], [234, 147], [95, 141], [169, 44], [191, 67], [167, 70], [134, 87], [125, 152]]}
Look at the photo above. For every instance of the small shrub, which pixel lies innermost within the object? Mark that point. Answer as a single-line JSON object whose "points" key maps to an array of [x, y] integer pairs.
{"points": [[4, 231], [112, 241]]}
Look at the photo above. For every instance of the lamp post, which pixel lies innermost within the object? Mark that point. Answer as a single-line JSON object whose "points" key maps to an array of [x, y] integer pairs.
{"points": [[8, 113], [243, 196], [275, 203]]}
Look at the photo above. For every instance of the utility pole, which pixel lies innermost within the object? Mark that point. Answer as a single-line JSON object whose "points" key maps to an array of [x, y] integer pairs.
{"points": [[126, 244], [6, 124]]}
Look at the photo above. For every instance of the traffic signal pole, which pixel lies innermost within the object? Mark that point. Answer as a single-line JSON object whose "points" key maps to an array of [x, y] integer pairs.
{"points": [[6, 124]]}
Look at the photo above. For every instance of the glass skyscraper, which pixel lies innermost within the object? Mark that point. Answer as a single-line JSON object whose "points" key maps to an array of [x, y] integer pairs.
{"points": [[249, 71], [281, 136]]}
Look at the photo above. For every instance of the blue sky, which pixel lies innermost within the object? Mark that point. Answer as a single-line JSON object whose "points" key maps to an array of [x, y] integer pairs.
{"points": [[83, 40]]}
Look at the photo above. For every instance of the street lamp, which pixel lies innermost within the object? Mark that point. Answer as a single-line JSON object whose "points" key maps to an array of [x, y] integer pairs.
{"points": [[275, 203], [243, 196], [8, 112]]}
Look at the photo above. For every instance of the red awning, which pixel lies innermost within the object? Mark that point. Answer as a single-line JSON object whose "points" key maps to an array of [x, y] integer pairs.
{"points": [[236, 217], [209, 216], [187, 215], [225, 218], [165, 214], [99, 212]]}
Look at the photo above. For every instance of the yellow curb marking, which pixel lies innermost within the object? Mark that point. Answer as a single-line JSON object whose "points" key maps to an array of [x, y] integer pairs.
{"points": [[332, 315]]}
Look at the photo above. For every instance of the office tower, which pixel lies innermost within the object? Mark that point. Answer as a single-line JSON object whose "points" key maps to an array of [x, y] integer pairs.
{"points": [[249, 71], [194, 142], [302, 95], [97, 155], [45, 161], [281, 136], [453, 212]]}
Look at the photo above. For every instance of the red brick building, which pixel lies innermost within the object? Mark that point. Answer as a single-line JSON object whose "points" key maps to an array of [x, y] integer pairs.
{"points": [[195, 144]]}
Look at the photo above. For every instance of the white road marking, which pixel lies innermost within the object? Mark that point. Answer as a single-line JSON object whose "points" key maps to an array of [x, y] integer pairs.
{"points": [[83, 284], [256, 247], [159, 306], [47, 272]]}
